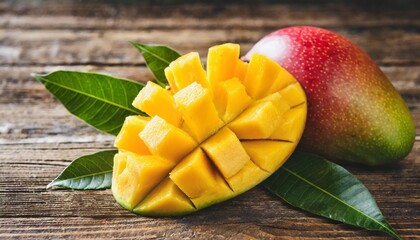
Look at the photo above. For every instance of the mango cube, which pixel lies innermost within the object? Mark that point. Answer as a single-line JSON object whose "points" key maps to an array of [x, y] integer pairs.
{"points": [[165, 200], [278, 101], [171, 80], [218, 193], [135, 175], [265, 152], [256, 122], [188, 69], [195, 175], [232, 99], [160, 136], [195, 103], [291, 128], [293, 94], [283, 79], [226, 152], [260, 76], [128, 138], [240, 70], [154, 100], [221, 63], [241, 179]]}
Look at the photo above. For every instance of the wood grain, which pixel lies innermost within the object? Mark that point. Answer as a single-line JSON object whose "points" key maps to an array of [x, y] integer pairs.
{"points": [[54, 33], [40, 47], [38, 137]]}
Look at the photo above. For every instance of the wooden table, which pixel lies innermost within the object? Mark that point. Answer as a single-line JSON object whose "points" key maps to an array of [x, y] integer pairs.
{"points": [[38, 137]]}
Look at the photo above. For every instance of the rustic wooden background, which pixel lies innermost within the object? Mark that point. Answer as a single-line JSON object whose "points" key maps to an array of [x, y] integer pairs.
{"points": [[38, 137]]}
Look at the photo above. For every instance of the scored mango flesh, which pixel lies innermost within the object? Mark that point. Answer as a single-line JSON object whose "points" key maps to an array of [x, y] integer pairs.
{"points": [[210, 135]]}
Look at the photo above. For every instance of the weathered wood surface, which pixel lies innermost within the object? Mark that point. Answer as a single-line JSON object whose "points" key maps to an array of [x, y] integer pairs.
{"points": [[38, 137]]}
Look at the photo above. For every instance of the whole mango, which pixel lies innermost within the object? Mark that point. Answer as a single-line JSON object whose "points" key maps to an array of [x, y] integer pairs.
{"points": [[354, 112]]}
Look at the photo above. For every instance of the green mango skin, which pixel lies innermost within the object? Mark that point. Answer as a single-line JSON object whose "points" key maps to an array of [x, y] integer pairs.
{"points": [[354, 112]]}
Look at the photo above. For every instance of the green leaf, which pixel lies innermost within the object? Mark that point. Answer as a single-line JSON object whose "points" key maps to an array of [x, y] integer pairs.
{"points": [[100, 100], [314, 184], [157, 58], [87, 172]]}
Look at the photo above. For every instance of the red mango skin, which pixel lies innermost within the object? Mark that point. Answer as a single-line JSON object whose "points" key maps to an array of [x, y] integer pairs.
{"points": [[354, 112]]}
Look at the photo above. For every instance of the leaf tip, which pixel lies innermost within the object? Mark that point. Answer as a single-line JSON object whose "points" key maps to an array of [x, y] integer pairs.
{"points": [[41, 77], [394, 234], [136, 44], [36, 76], [50, 185]]}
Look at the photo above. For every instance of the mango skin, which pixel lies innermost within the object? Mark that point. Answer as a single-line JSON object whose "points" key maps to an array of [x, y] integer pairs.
{"points": [[354, 112]]}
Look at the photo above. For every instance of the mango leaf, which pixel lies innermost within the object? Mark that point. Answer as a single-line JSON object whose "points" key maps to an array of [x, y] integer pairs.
{"points": [[87, 172], [100, 100], [157, 58], [310, 182]]}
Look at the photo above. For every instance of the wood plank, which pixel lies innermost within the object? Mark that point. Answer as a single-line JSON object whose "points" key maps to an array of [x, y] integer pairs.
{"points": [[29, 210], [73, 15], [186, 228], [404, 78], [387, 46]]}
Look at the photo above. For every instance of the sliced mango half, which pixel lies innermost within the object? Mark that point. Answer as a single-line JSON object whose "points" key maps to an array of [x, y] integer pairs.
{"points": [[211, 135]]}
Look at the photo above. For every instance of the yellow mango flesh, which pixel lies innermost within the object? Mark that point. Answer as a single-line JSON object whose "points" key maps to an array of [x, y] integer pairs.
{"points": [[288, 129], [284, 78], [249, 176], [154, 100], [218, 193], [293, 94], [187, 69], [211, 136], [160, 137], [231, 99], [136, 175], [226, 152], [195, 175], [257, 122], [221, 63], [171, 80], [260, 76], [200, 115], [240, 69], [128, 138], [278, 101], [165, 200], [262, 152]]}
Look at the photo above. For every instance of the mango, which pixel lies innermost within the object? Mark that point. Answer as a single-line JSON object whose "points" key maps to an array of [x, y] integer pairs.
{"points": [[186, 70], [137, 175], [210, 135], [221, 63], [226, 151], [354, 112], [257, 122], [166, 199], [159, 137], [154, 100], [231, 99], [191, 101], [128, 139], [195, 175]]}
